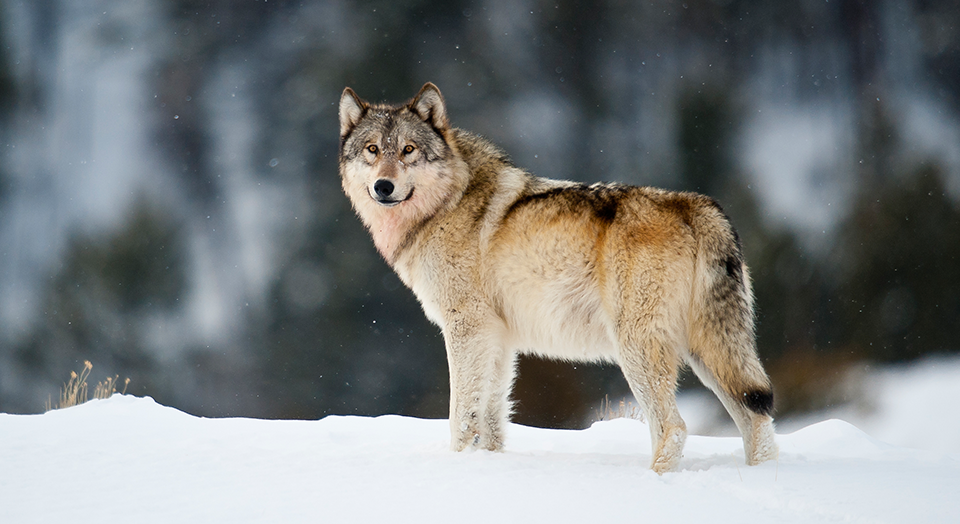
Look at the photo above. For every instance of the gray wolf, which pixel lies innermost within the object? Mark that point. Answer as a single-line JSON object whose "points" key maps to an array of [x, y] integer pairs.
{"points": [[506, 262]]}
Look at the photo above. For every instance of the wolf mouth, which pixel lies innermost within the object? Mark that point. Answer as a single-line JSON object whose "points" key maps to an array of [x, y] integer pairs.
{"points": [[389, 202]]}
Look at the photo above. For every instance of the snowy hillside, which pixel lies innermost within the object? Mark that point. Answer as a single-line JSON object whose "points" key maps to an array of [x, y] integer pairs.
{"points": [[128, 459]]}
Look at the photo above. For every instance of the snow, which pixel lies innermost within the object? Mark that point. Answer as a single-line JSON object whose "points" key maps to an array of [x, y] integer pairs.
{"points": [[911, 406], [129, 459]]}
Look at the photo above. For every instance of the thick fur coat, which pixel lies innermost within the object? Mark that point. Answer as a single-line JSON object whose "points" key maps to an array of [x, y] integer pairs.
{"points": [[507, 262]]}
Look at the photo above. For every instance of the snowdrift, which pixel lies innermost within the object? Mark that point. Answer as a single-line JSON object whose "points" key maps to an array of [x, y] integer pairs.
{"points": [[129, 459]]}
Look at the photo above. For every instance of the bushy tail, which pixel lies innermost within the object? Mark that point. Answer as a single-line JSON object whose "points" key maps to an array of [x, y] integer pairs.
{"points": [[722, 340]]}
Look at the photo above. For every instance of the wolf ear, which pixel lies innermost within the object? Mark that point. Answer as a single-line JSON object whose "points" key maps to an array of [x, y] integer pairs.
{"points": [[351, 109], [429, 105]]}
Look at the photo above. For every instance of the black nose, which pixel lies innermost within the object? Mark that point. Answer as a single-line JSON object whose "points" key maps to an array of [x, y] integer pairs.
{"points": [[383, 188]]}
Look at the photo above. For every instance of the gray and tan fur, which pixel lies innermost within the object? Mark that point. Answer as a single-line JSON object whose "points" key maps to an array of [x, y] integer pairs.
{"points": [[506, 262]]}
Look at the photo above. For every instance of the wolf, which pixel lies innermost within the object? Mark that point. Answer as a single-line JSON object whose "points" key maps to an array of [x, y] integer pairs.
{"points": [[506, 262]]}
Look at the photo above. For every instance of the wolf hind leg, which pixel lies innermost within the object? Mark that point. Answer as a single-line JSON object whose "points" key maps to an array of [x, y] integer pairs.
{"points": [[651, 365], [759, 442], [722, 347], [727, 363]]}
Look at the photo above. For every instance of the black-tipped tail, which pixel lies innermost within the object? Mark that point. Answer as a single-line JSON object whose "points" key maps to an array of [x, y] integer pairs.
{"points": [[759, 401]]}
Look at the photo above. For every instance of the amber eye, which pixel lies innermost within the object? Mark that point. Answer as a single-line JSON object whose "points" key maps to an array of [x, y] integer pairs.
{"points": [[373, 148], [408, 149]]}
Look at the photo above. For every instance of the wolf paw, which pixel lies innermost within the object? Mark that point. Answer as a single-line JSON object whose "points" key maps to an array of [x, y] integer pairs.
{"points": [[669, 451], [766, 450], [490, 443], [761, 446], [763, 454], [465, 435]]}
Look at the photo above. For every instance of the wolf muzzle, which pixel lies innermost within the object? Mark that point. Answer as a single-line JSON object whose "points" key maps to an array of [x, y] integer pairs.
{"points": [[384, 193]]}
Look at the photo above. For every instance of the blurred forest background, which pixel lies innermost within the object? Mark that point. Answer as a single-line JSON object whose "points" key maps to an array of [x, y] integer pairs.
{"points": [[170, 206]]}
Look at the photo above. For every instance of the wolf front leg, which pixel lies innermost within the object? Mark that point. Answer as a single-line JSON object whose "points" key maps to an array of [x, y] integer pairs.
{"points": [[497, 408], [481, 373]]}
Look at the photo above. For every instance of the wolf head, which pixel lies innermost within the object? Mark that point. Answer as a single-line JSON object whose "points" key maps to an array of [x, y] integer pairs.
{"points": [[399, 165]]}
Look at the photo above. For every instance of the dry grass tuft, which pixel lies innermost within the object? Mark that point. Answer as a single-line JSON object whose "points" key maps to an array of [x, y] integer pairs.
{"points": [[622, 409], [74, 392], [108, 387]]}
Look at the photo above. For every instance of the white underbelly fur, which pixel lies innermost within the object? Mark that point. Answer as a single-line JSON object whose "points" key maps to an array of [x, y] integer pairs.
{"points": [[561, 318]]}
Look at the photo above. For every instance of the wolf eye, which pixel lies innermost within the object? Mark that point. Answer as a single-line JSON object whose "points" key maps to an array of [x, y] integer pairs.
{"points": [[408, 149], [373, 148]]}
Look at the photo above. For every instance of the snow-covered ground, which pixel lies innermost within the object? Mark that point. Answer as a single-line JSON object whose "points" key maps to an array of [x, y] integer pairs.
{"points": [[128, 459], [917, 406]]}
